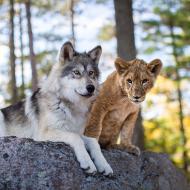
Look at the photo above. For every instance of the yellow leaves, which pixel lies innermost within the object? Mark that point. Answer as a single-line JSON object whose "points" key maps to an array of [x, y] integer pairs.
{"points": [[187, 123], [187, 131], [163, 134], [177, 158], [163, 85], [151, 130]]}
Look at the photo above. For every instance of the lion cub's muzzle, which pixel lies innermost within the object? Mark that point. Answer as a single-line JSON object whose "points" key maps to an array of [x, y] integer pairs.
{"points": [[137, 99]]}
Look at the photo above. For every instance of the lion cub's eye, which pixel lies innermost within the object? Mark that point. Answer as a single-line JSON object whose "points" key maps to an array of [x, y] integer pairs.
{"points": [[76, 72], [129, 81], [144, 81], [91, 73]]}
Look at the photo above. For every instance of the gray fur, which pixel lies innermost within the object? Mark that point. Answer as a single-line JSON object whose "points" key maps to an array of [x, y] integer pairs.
{"points": [[81, 60], [15, 113], [34, 101]]}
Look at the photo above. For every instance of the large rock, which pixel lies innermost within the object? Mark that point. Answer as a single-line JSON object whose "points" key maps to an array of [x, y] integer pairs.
{"points": [[26, 164]]}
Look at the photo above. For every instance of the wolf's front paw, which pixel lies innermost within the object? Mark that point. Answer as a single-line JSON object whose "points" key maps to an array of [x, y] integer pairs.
{"points": [[97, 156], [88, 166], [104, 168]]}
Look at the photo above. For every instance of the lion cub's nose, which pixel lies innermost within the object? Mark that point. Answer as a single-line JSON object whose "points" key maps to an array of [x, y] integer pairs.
{"points": [[90, 88], [136, 97]]}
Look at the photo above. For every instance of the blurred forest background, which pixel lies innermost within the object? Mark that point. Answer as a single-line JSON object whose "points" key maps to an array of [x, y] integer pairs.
{"points": [[31, 33]]}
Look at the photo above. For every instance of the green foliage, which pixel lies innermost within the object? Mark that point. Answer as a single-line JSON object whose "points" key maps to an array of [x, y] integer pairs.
{"points": [[107, 32], [169, 29], [150, 50]]}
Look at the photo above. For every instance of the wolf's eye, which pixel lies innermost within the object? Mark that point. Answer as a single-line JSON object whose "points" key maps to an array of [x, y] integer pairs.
{"points": [[144, 81], [76, 72], [129, 81], [91, 73]]}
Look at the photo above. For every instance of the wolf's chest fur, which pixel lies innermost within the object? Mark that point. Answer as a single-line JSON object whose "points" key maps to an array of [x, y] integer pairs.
{"points": [[65, 116]]}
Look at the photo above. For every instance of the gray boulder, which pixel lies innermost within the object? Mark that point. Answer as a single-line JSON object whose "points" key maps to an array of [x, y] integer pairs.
{"points": [[26, 164]]}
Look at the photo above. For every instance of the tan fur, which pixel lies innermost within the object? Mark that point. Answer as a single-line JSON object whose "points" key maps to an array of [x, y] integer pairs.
{"points": [[115, 109]]}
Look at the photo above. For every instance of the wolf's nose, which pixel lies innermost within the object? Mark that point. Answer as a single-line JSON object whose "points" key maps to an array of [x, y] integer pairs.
{"points": [[136, 97], [90, 88]]}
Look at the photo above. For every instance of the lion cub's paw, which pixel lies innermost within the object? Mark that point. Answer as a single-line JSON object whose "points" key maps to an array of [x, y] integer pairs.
{"points": [[133, 150], [129, 148]]}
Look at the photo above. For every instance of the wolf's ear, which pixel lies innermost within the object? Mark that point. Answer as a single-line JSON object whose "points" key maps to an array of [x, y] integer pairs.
{"points": [[121, 65], [66, 53], [95, 53], [155, 67]]}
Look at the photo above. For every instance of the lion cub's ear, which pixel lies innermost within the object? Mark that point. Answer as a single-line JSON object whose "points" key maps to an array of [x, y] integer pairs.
{"points": [[155, 67], [121, 65]]}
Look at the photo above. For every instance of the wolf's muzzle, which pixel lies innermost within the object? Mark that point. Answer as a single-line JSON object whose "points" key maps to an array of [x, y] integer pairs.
{"points": [[90, 88]]}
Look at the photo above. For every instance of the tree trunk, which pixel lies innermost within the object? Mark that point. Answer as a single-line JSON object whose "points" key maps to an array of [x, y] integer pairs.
{"points": [[72, 12], [181, 117], [125, 29], [126, 48], [21, 51], [32, 55], [179, 98], [12, 54], [138, 137]]}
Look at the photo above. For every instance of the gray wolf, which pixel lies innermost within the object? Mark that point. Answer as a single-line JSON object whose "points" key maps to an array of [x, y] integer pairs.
{"points": [[58, 110]]}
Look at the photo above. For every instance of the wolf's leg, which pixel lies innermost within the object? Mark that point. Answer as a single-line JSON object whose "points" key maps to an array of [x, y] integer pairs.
{"points": [[76, 142], [127, 134], [94, 148]]}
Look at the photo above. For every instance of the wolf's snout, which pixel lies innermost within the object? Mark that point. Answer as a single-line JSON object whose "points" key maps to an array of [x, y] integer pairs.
{"points": [[90, 88]]}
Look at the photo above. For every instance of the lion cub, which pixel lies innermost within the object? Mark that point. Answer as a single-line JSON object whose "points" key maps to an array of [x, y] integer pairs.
{"points": [[117, 105]]}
